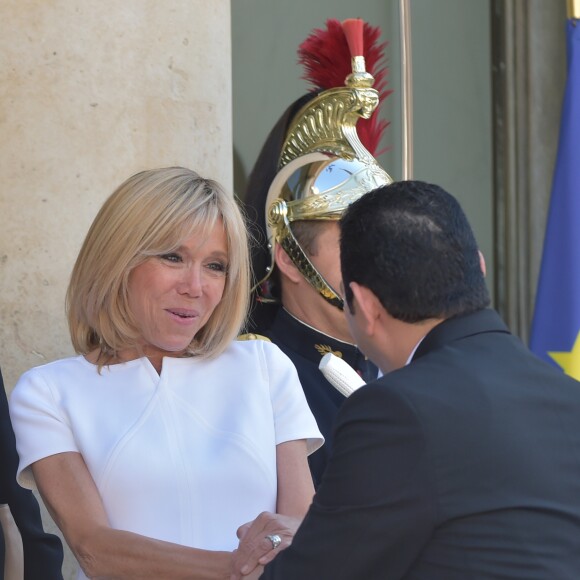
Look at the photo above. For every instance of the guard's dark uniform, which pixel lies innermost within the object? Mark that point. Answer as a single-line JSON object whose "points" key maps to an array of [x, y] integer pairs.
{"points": [[42, 552], [305, 346]]}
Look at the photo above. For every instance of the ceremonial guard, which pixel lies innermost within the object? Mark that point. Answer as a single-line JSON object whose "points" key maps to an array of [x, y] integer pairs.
{"points": [[315, 162]]}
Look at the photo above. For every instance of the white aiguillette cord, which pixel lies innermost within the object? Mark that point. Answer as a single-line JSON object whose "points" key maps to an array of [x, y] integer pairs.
{"points": [[340, 374]]}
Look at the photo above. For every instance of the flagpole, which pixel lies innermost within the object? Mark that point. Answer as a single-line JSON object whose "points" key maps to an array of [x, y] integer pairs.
{"points": [[407, 88], [574, 9]]}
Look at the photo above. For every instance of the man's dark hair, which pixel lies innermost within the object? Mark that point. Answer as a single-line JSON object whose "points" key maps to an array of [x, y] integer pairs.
{"points": [[411, 244]]}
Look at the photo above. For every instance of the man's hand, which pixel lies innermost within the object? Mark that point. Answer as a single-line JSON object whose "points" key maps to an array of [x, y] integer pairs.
{"points": [[256, 548]]}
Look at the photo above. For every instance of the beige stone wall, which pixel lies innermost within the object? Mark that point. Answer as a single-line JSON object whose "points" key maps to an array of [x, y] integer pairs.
{"points": [[90, 93]]}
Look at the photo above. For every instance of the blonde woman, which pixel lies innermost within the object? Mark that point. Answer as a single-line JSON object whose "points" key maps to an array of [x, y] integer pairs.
{"points": [[164, 435]]}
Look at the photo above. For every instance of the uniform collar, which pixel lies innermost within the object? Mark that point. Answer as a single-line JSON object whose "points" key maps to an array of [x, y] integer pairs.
{"points": [[309, 342]]}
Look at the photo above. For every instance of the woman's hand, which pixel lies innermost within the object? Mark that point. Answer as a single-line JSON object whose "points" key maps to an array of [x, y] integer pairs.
{"points": [[256, 548]]}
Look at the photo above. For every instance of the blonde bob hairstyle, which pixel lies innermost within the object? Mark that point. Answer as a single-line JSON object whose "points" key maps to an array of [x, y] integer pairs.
{"points": [[151, 214]]}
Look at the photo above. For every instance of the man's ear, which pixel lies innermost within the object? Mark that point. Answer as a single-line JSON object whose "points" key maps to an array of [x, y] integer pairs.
{"points": [[286, 265], [367, 306], [482, 263]]}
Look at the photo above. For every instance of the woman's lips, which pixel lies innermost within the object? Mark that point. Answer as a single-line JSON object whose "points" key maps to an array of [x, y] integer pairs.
{"points": [[183, 314]]}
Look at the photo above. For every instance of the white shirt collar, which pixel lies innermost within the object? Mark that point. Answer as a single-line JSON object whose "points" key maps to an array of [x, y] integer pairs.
{"points": [[413, 351]]}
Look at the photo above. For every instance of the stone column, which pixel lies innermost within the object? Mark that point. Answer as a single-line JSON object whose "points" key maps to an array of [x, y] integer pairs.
{"points": [[92, 92]]}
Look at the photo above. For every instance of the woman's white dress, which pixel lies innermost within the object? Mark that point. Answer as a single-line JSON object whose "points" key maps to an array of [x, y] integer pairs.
{"points": [[185, 457]]}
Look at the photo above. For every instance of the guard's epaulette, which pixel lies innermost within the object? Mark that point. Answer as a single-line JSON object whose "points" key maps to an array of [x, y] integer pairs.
{"points": [[252, 336]]}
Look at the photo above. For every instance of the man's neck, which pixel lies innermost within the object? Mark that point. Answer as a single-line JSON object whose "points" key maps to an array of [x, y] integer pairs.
{"points": [[311, 309], [298, 319], [400, 340]]}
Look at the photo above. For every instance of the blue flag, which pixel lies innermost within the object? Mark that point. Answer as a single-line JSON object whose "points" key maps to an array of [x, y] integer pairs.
{"points": [[555, 333]]}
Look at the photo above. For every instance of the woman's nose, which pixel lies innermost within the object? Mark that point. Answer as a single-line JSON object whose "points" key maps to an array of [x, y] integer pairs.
{"points": [[192, 282]]}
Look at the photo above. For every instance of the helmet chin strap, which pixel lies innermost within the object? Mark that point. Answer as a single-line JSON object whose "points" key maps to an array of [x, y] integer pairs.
{"points": [[278, 218]]}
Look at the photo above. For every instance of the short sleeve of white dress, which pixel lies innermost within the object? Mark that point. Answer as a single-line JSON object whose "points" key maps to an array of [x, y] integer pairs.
{"points": [[40, 427], [293, 418]]}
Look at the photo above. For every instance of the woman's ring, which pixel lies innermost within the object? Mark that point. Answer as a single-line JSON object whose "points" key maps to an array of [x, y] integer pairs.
{"points": [[275, 539]]}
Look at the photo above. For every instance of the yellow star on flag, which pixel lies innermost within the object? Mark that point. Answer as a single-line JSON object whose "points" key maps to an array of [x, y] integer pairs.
{"points": [[569, 361]]}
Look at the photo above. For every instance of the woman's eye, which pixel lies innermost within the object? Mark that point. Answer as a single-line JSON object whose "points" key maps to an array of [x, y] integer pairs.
{"points": [[171, 257], [218, 267]]}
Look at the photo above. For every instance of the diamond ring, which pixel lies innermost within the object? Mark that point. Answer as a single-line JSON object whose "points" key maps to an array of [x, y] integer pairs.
{"points": [[275, 539]]}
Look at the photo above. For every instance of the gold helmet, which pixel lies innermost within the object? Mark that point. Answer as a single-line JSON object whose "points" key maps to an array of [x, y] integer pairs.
{"points": [[322, 165]]}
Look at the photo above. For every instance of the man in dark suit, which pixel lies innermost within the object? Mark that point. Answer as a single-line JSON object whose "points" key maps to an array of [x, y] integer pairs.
{"points": [[463, 460], [42, 552]]}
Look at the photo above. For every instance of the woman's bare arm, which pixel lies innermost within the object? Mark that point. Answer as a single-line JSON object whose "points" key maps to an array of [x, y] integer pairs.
{"points": [[295, 487], [295, 492], [72, 498]]}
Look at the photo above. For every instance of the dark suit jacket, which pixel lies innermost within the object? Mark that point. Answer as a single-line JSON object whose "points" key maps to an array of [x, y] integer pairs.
{"points": [[42, 552], [463, 465]]}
